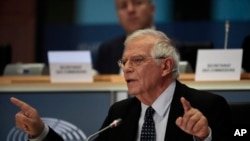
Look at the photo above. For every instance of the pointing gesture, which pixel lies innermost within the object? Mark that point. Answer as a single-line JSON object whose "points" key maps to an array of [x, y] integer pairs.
{"points": [[193, 121], [27, 118]]}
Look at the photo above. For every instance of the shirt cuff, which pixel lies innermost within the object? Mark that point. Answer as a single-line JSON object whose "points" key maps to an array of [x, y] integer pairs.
{"points": [[42, 135], [209, 137]]}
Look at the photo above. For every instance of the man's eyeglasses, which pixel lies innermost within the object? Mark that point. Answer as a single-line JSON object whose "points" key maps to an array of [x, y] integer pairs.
{"points": [[135, 60]]}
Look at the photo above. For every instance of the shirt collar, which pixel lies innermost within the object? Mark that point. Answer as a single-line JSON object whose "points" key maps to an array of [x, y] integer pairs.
{"points": [[162, 103]]}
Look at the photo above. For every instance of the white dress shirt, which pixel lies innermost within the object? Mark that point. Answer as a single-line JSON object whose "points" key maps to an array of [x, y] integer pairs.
{"points": [[162, 108]]}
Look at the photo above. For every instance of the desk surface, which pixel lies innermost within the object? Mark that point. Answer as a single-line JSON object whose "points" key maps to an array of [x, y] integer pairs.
{"points": [[107, 83]]}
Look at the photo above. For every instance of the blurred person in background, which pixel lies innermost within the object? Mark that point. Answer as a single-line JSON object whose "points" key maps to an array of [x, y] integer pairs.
{"points": [[132, 15]]}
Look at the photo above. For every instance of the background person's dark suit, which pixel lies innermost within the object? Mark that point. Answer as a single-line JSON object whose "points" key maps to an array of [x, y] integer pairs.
{"points": [[108, 54], [246, 53]]}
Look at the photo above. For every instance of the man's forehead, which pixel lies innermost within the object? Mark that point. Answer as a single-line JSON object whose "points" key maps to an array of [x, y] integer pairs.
{"points": [[135, 54], [139, 49]]}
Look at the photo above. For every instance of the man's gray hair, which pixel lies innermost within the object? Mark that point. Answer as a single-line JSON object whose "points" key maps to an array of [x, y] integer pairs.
{"points": [[163, 47]]}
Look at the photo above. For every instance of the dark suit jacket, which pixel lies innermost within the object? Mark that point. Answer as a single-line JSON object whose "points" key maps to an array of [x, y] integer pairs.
{"points": [[214, 107], [108, 54], [246, 53]]}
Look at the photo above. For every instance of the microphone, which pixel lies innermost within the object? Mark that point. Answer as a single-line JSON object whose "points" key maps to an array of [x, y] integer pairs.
{"points": [[114, 124], [226, 33]]}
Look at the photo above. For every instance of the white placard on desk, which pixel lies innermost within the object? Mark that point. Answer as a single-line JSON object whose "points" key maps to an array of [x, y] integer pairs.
{"points": [[70, 66], [218, 64]]}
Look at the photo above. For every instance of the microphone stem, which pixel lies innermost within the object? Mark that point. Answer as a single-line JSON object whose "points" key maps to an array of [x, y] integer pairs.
{"points": [[226, 40], [115, 123], [93, 135]]}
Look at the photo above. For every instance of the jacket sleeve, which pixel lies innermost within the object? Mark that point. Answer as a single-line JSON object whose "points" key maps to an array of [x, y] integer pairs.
{"points": [[53, 136]]}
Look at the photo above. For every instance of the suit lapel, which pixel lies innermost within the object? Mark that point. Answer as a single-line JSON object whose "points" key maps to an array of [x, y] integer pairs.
{"points": [[129, 127], [133, 125], [176, 110]]}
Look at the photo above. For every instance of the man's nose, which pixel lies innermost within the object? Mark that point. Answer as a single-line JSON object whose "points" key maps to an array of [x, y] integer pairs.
{"points": [[128, 66], [131, 7]]}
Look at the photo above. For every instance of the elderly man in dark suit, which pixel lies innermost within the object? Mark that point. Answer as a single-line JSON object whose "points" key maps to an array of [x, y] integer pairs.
{"points": [[159, 103]]}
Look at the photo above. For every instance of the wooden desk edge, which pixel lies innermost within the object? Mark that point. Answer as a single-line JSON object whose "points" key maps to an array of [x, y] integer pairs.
{"points": [[97, 78]]}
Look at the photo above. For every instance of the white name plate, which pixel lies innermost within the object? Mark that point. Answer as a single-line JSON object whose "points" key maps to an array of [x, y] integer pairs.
{"points": [[218, 64], [70, 66]]}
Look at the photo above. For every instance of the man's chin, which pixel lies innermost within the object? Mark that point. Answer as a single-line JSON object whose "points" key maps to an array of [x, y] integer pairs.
{"points": [[132, 92], [134, 28]]}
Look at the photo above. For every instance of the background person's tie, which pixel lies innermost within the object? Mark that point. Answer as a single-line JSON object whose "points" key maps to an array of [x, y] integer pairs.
{"points": [[148, 127]]}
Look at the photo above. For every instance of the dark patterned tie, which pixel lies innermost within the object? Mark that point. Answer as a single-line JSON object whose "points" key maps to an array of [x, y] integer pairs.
{"points": [[148, 127]]}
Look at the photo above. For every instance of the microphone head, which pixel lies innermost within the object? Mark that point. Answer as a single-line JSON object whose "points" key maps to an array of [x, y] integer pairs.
{"points": [[116, 122], [227, 25]]}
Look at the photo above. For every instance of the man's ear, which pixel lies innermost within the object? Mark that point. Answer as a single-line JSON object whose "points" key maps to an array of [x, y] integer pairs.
{"points": [[167, 66]]}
